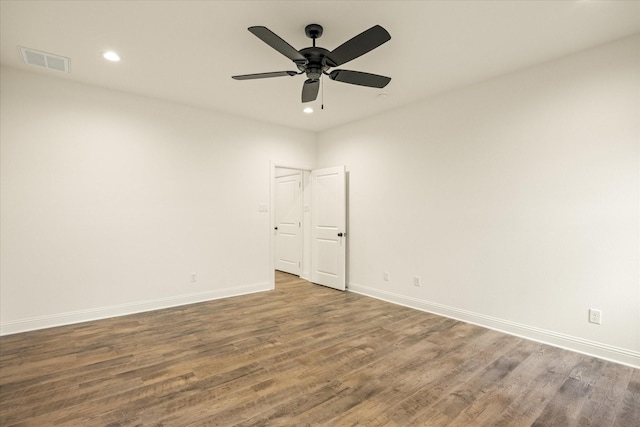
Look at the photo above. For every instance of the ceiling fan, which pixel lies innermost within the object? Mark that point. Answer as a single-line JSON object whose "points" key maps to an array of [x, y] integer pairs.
{"points": [[316, 61]]}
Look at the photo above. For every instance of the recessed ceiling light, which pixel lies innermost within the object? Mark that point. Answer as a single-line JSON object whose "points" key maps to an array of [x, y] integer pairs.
{"points": [[308, 110], [111, 56]]}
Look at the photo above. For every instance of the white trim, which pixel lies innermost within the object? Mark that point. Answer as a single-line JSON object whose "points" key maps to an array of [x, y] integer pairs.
{"points": [[61, 319], [556, 339]]}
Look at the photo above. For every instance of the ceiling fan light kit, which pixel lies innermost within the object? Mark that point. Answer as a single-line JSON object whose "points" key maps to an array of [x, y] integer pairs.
{"points": [[316, 61]]}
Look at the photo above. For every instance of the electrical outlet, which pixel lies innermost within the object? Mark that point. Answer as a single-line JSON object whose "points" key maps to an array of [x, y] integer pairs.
{"points": [[385, 276], [595, 316], [416, 281], [194, 277]]}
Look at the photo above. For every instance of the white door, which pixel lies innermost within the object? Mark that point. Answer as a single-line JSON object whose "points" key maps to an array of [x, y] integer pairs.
{"points": [[288, 209], [328, 227]]}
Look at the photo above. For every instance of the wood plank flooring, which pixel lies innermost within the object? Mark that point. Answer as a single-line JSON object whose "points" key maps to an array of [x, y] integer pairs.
{"points": [[303, 355]]}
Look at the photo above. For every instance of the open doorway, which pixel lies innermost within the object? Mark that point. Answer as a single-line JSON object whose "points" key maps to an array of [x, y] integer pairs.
{"points": [[290, 200], [309, 205]]}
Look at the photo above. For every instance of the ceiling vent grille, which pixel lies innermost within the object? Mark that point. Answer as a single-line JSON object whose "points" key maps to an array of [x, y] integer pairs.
{"points": [[45, 60]]}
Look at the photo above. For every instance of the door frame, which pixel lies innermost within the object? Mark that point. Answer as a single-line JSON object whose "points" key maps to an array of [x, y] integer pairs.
{"points": [[272, 217]]}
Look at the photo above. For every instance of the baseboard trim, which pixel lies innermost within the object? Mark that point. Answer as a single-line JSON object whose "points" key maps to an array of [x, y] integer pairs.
{"points": [[556, 339], [79, 316]]}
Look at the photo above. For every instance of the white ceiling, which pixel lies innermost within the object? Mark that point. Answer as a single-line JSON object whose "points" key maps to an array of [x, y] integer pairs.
{"points": [[187, 51]]}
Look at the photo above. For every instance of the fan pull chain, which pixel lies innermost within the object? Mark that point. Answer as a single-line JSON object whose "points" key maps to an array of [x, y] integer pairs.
{"points": [[322, 94]]}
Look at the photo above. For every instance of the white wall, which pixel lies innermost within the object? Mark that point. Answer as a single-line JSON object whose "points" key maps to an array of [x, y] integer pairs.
{"points": [[110, 201], [516, 201]]}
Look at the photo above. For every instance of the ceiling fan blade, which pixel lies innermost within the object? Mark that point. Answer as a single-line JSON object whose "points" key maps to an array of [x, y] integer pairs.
{"points": [[273, 40], [310, 90], [265, 75], [359, 78], [359, 45]]}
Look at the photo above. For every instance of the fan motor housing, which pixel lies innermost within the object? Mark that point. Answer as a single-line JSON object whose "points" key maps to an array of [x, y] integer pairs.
{"points": [[316, 62]]}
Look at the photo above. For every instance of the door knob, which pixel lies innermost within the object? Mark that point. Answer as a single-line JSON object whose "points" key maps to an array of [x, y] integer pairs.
{"points": [[339, 234], [275, 228]]}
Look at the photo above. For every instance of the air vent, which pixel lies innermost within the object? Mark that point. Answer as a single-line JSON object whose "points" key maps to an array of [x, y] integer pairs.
{"points": [[45, 60]]}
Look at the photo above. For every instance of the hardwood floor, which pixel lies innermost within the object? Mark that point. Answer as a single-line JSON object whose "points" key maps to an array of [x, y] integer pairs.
{"points": [[303, 355]]}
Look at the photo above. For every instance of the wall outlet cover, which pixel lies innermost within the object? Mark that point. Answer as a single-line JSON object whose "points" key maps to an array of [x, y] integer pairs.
{"points": [[595, 316]]}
